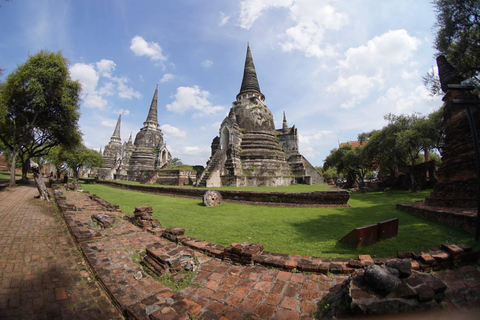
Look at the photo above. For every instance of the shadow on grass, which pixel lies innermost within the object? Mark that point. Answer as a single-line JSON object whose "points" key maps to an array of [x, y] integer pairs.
{"points": [[414, 233]]}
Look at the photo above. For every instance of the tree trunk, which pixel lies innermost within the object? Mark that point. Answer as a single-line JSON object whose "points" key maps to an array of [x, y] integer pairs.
{"points": [[413, 182], [25, 168], [42, 189], [12, 168]]}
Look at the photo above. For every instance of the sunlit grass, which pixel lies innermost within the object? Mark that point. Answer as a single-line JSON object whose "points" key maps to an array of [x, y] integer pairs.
{"points": [[304, 231]]}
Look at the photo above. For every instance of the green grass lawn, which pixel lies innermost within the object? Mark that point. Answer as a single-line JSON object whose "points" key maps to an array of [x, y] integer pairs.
{"points": [[304, 231]]}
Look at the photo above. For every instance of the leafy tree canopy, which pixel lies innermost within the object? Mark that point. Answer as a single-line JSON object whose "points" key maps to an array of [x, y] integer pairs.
{"points": [[457, 38], [39, 105]]}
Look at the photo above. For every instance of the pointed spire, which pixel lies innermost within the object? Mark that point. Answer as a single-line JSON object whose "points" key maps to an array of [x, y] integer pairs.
{"points": [[285, 123], [100, 151], [130, 138], [447, 73], [116, 133], [250, 81], [152, 120]]}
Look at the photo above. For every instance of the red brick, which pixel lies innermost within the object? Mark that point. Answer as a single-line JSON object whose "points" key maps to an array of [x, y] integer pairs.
{"points": [[206, 293], [310, 285], [273, 299], [308, 307], [286, 315], [231, 279], [246, 283], [256, 296], [284, 276], [234, 299], [291, 290], [241, 290], [297, 277], [216, 276], [267, 277], [248, 305], [213, 285], [227, 287], [262, 285], [278, 287], [290, 264], [289, 303], [216, 307], [219, 295], [265, 311], [309, 295]]}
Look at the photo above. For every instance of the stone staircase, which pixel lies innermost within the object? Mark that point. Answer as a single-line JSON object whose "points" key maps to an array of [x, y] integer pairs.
{"points": [[217, 158]]}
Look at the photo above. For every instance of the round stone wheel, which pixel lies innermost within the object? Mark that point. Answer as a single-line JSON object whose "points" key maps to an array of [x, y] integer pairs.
{"points": [[212, 198]]}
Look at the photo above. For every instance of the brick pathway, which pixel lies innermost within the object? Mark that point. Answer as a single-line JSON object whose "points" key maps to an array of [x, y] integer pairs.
{"points": [[42, 274]]}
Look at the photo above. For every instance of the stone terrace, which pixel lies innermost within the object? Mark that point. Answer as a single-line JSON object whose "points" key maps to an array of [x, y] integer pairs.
{"points": [[221, 289]]}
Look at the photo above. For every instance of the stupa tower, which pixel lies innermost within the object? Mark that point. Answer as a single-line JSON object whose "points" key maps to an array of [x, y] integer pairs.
{"points": [[112, 153], [142, 162]]}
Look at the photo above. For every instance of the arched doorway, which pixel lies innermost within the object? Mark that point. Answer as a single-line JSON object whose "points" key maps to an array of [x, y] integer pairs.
{"points": [[225, 138]]}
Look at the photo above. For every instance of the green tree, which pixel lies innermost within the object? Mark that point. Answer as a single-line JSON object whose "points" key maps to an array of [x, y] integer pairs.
{"points": [[175, 162], [39, 106], [353, 161], [81, 158], [401, 141], [56, 158], [457, 38]]}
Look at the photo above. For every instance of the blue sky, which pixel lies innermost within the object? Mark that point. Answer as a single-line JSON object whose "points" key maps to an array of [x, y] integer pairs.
{"points": [[335, 67]]}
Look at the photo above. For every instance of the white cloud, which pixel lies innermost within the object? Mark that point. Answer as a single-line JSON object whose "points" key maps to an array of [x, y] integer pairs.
{"points": [[224, 19], [108, 89], [167, 77], [367, 68], [193, 98], [313, 19], [207, 63], [106, 123], [125, 91], [86, 74], [395, 47], [196, 151], [150, 49], [407, 101], [250, 10], [106, 67], [94, 101], [171, 131]]}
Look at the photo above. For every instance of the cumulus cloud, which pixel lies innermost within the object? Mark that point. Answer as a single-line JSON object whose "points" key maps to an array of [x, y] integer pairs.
{"points": [[87, 75], [196, 151], [193, 98], [207, 63], [106, 67], [171, 131], [250, 10], [394, 47], [406, 101], [311, 20], [367, 68], [167, 77], [106, 123], [150, 49], [91, 76]]}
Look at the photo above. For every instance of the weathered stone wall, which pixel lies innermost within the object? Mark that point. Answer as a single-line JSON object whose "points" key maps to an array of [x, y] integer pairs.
{"points": [[316, 198], [176, 177], [457, 176]]}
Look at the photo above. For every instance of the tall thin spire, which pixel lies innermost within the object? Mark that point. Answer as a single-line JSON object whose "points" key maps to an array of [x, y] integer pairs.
{"points": [[285, 123], [152, 120], [250, 81], [116, 133]]}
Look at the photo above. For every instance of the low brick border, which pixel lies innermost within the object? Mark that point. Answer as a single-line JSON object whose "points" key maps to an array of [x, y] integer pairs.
{"points": [[444, 256], [243, 253], [459, 218], [301, 199]]}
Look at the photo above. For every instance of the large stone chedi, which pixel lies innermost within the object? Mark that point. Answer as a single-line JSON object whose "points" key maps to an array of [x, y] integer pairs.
{"points": [[138, 160], [457, 176], [247, 151]]}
